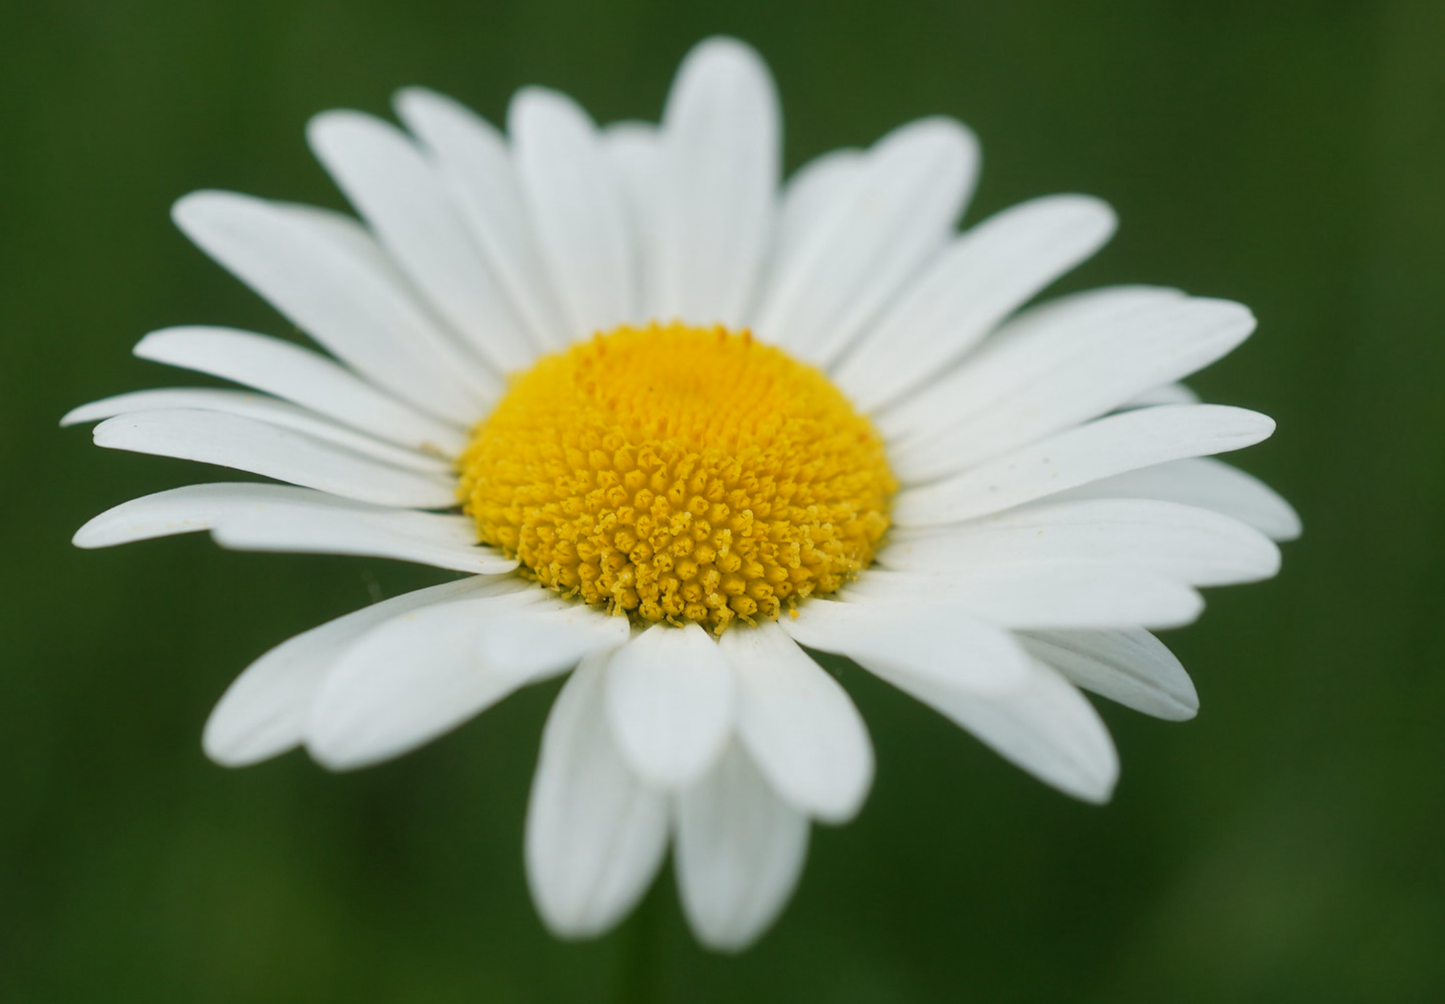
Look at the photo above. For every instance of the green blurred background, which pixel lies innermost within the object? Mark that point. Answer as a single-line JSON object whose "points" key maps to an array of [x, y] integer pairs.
{"points": [[1286, 846]]}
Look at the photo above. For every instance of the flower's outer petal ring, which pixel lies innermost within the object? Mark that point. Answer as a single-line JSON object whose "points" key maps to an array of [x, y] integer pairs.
{"points": [[740, 852], [302, 377], [1204, 482], [1196, 546], [595, 833], [327, 274], [717, 185], [1100, 449], [1129, 666], [670, 698], [416, 677], [404, 199], [985, 274], [261, 408], [1079, 595], [264, 712], [1044, 726], [800, 726], [261, 448]]}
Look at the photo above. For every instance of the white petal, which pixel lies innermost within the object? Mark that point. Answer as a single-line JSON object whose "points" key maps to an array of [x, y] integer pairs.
{"points": [[189, 509], [876, 233], [985, 275], [1102, 448], [1022, 340], [1203, 482], [473, 156], [1170, 393], [740, 852], [807, 200], [416, 677], [577, 209], [264, 712], [263, 409], [328, 276], [1196, 546], [405, 200], [595, 834], [1039, 596], [1010, 399], [319, 526], [799, 724], [1130, 666], [924, 637], [633, 150], [248, 445], [302, 377], [670, 702], [716, 185], [1044, 726]]}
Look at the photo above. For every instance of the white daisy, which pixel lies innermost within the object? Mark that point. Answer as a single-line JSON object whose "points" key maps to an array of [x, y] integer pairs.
{"points": [[680, 423]]}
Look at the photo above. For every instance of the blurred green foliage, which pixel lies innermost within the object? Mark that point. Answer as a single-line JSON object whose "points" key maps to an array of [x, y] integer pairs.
{"points": [[1284, 847]]}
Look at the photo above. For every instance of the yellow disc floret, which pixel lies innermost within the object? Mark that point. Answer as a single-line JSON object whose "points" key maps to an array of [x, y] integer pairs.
{"points": [[681, 474]]}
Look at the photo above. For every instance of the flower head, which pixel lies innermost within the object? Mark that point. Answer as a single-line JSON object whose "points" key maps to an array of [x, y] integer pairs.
{"points": [[680, 424]]}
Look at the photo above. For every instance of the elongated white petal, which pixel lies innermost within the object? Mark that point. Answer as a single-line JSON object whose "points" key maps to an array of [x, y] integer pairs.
{"points": [[263, 409], [799, 725], [635, 154], [1130, 666], [877, 231], [416, 677], [405, 201], [188, 509], [264, 712], [595, 833], [249, 445], [1205, 482], [1170, 393], [1044, 726], [906, 629], [1010, 399], [1196, 546], [1023, 339], [302, 377], [670, 701], [807, 201], [328, 276], [740, 852], [320, 527], [985, 275], [282, 518], [577, 209], [717, 183], [474, 158], [1075, 595], [1100, 449]]}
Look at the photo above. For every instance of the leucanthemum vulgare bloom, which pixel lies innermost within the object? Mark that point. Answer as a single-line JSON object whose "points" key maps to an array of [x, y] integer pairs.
{"points": [[681, 423]]}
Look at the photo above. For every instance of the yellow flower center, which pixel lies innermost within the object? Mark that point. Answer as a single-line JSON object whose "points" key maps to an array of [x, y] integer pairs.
{"points": [[681, 474]]}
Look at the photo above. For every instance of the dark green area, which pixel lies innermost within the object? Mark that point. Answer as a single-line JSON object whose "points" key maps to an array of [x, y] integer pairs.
{"points": [[1286, 846]]}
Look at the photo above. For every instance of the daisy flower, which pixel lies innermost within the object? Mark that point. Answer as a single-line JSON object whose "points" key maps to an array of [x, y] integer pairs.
{"points": [[681, 424]]}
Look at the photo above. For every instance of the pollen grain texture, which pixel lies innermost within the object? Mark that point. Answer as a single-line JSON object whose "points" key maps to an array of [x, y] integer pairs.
{"points": [[678, 473]]}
